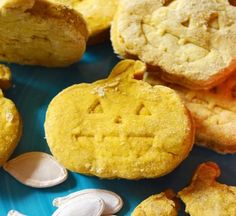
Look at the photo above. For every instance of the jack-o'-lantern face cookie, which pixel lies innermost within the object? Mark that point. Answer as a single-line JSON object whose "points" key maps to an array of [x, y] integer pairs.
{"points": [[119, 127], [192, 41], [207, 197], [10, 128]]}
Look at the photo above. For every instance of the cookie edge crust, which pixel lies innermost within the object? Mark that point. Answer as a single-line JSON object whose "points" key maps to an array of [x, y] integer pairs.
{"points": [[213, 81]]}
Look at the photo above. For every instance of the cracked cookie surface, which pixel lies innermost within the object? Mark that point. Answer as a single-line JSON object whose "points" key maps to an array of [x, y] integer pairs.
{"points": [[41, 32], [207, 197], [119, 127], [192, 41], [214, 112]]}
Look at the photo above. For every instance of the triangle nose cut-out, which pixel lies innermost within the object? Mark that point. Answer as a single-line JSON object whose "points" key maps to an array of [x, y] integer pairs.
{"points": [[118, 120], [186, 23], [96, 107], [142, 110]]}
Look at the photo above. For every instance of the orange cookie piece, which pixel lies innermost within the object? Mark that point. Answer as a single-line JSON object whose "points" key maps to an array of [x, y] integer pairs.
{"points": [[163, 204], [207, 197], [5, 77]]}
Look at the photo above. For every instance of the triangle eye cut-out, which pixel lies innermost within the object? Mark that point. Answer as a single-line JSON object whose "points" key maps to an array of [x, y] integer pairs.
{"points": [[142, 110], [213, 21], [167, 2], [96, 107]]}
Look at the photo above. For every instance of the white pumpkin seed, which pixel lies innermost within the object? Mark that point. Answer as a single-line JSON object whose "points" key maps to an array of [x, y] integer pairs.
{"points": [[14, 213], [86, 205], [113, 202], [36, 169]]}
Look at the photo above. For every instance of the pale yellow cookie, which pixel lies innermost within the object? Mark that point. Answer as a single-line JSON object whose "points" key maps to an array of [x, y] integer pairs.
{"points": [[41, 32], [119, 127], [214, 112], [162, 204], [192, 41], [5, 77], [207, 197], [98, 15], [10, 128]]}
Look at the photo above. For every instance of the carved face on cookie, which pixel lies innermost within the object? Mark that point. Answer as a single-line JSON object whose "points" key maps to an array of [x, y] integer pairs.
{"points": [[192, 40], [119, 128]]}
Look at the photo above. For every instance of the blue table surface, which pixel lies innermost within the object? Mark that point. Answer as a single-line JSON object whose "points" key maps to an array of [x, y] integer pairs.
{"points": [[34, 88]]}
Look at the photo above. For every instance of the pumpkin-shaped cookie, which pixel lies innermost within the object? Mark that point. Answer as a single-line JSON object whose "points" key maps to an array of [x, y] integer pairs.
{"points": [[192, 41], [119, 127]]}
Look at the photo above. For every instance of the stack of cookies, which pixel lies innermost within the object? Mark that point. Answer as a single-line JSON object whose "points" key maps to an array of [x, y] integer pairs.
{"points": [[189, 46]]}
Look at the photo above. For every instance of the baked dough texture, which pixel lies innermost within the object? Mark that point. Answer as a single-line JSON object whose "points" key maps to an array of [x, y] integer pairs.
{"points": [[41, 32], [194, 42], [10, 128], [214, 112], [98, 15], [119, 127], [157, 205], [207, 197]]}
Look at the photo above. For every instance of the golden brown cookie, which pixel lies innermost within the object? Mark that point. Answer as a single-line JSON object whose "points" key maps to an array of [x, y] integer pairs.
{"points": [[214, 112], [192, 41], [5, 77], [98, 15], [10, 128], [207, 197], [41, 32], [119, 127], [163, 204]]}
